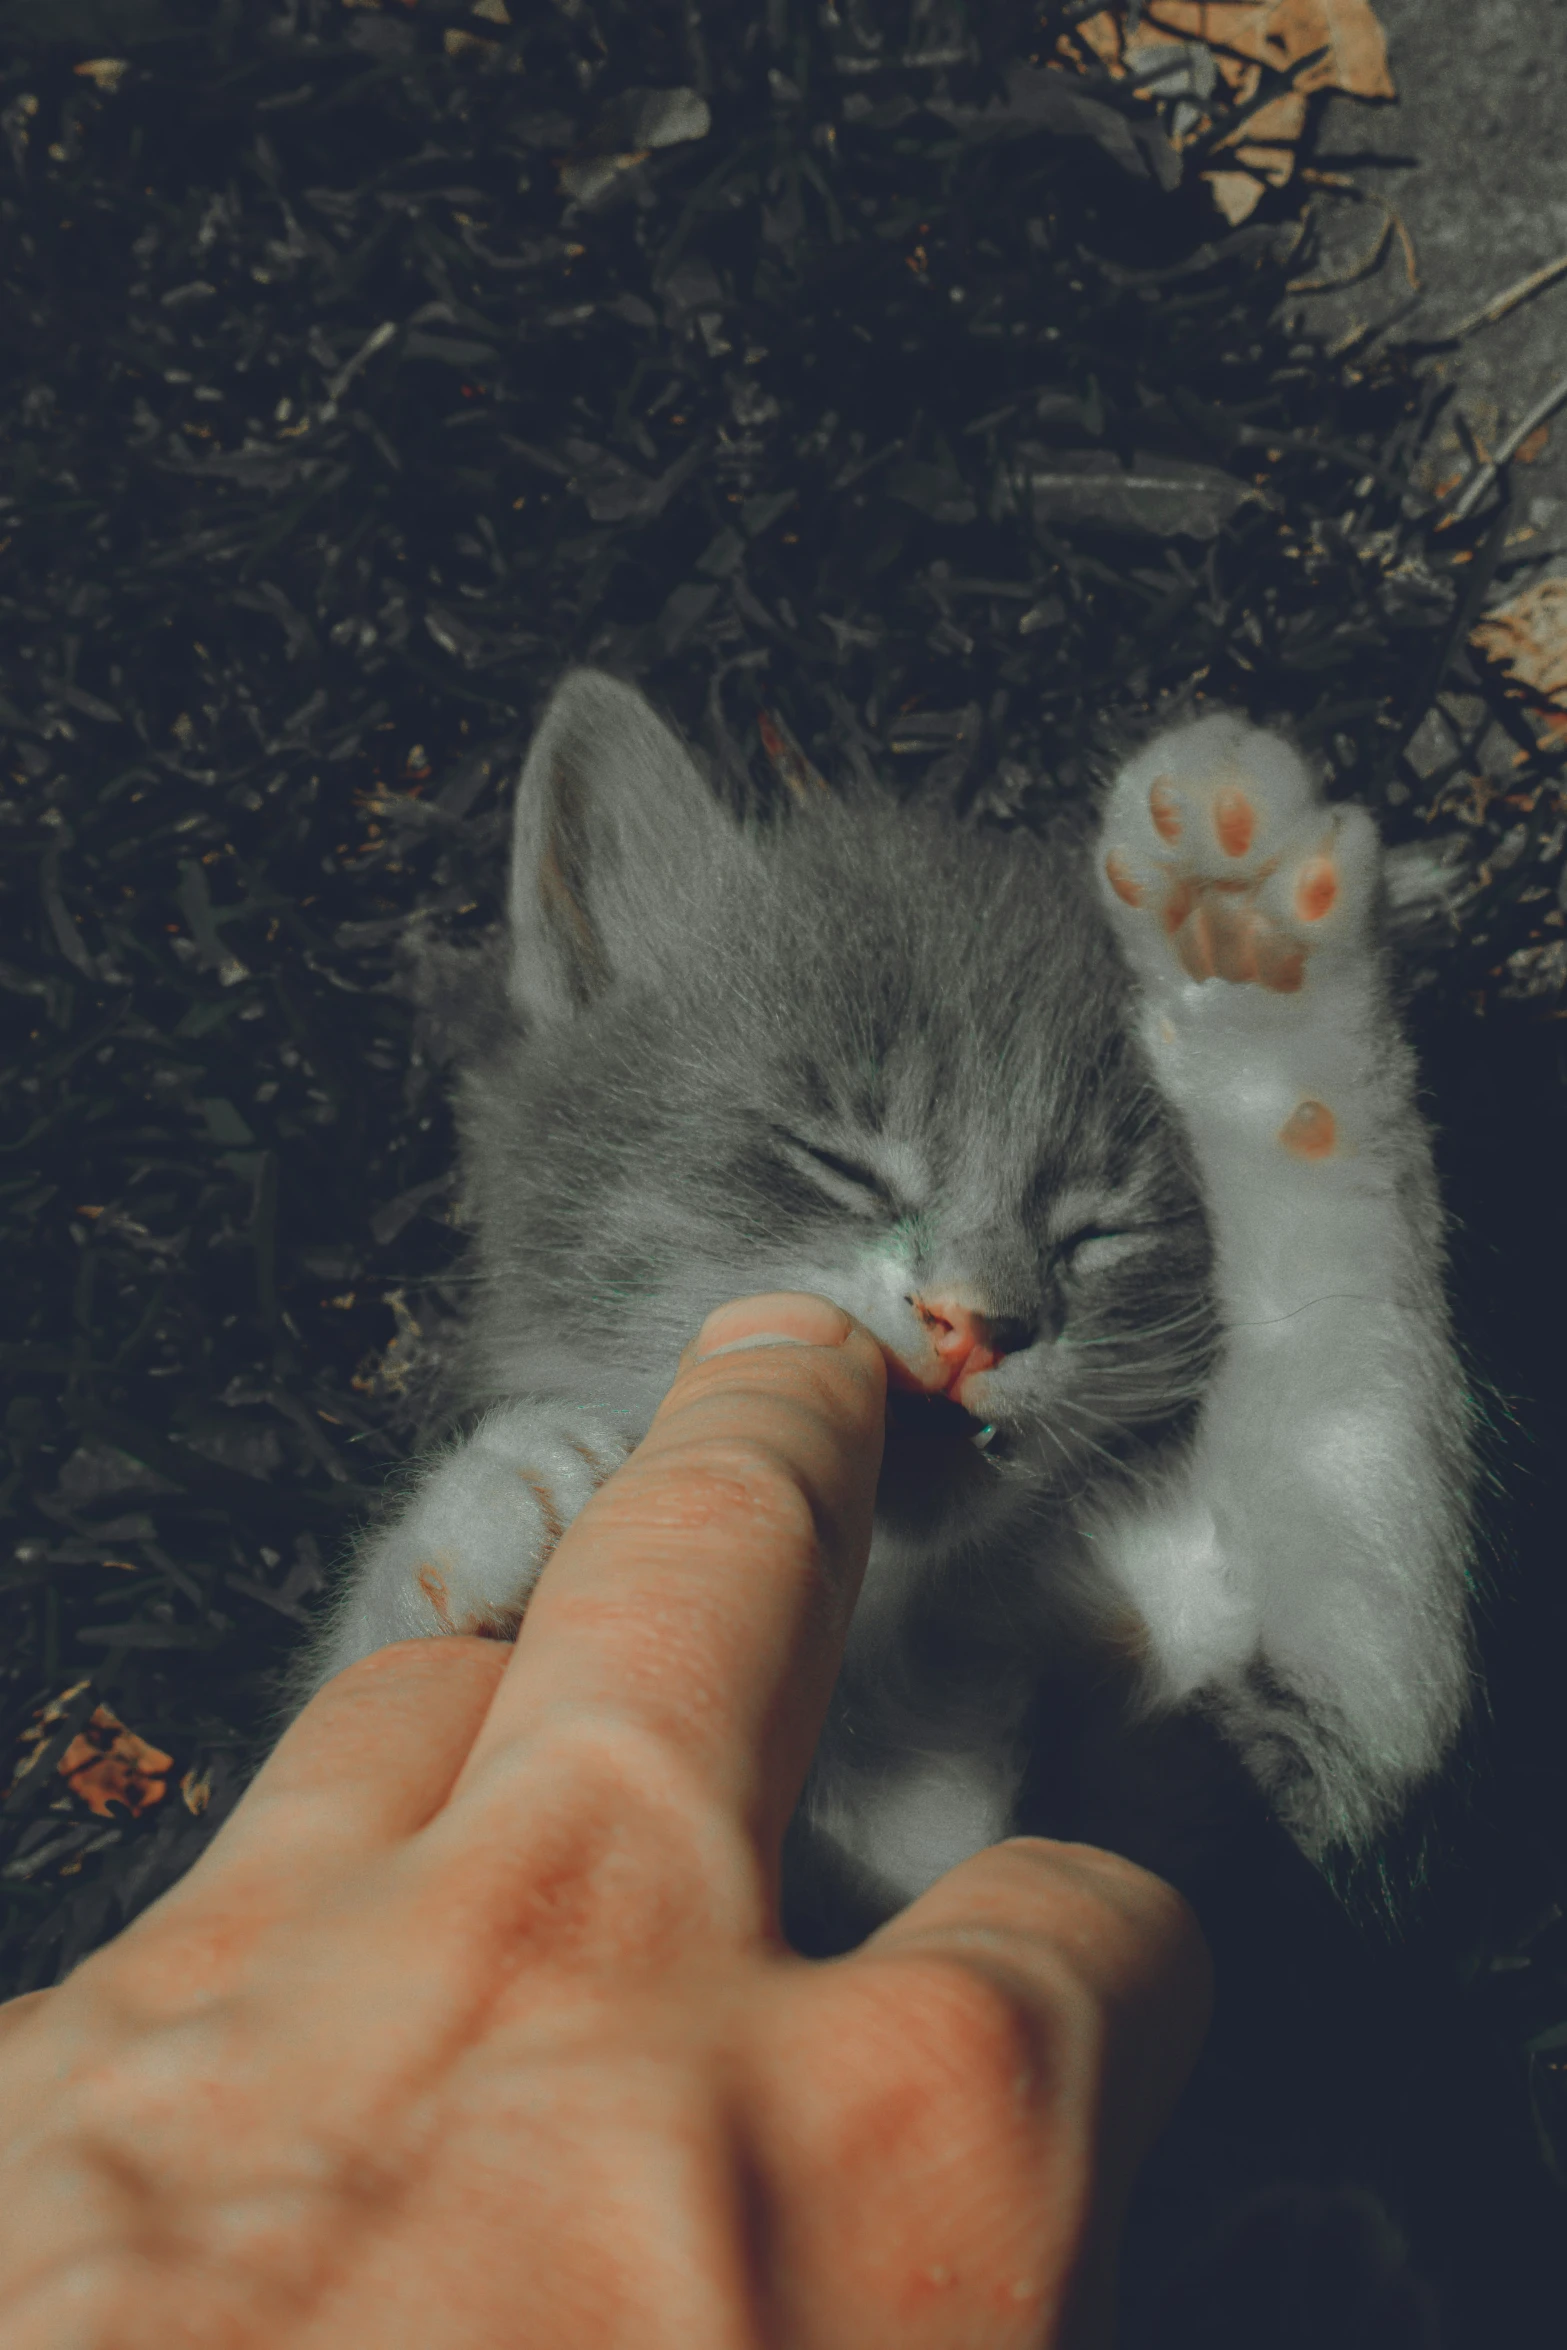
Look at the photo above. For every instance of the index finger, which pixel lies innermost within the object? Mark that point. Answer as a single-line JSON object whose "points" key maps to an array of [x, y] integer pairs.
{"points": [[702, 1598]]}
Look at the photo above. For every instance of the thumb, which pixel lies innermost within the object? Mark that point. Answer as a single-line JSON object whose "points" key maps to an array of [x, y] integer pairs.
{"points": [[1109, 1966]]}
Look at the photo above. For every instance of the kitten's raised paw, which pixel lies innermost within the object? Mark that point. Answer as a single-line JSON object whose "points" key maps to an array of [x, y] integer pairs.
{"points": [[1220, 859]]}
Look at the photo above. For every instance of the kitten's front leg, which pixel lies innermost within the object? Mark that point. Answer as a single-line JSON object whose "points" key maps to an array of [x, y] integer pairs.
{"points": [[1305, 1577], [467, 1548]]}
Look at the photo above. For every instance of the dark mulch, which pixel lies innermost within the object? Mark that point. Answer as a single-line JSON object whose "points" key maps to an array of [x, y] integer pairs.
{"points": [[358, 377]]}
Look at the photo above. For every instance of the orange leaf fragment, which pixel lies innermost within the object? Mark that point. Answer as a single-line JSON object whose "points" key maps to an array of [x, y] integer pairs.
{"points": [[106, 1764]]}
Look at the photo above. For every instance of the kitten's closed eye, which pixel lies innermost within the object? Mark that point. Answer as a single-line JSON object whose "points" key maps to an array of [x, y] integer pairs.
{"points": [[1097, 1247], [845, 1181]]}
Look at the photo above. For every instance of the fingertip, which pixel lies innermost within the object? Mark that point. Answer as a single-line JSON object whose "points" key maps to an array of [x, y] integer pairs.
{"points": [[775, 1318], [1139, 1891], [783, 1321], [1149, 1935]]}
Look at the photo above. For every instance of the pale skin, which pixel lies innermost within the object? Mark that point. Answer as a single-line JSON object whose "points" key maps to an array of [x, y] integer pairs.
{"points": [[474, 2027]]}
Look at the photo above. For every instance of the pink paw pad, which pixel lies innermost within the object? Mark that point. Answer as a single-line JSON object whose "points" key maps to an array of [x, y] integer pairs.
{"points": [[1220, 856], [1310, 1131], [432, 1583]]}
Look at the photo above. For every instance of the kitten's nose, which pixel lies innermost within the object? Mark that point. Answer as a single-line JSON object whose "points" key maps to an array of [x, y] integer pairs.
{"points": [[964, 1341]]}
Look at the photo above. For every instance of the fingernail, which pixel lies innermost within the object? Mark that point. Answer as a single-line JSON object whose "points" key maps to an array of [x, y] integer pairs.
{"points": [[790, 1319], [734, 1346]]}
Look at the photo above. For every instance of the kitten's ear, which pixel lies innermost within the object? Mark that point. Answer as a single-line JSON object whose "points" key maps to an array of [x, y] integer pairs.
{"points": [[612, 821]]}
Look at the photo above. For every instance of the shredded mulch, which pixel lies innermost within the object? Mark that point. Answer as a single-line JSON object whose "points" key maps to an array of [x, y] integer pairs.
{"points": [[882, 389]]}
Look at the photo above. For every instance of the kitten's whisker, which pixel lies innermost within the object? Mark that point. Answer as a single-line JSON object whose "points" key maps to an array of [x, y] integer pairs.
{"points": [[1193, 1318], [1111, 1370], [1065, 1409]]}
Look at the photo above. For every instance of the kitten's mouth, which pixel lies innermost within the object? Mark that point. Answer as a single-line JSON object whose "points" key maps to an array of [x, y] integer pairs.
{"points": [[937, 1421], [937, 1462]]}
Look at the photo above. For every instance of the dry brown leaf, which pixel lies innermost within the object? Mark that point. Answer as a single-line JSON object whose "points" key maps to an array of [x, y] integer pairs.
{"points": [[107, 72], [1244, 37], [1277, 33], [107, 1764], [388, 1373], [1529, 637], [1102, 34], [1268, 151], [35, 1737]]}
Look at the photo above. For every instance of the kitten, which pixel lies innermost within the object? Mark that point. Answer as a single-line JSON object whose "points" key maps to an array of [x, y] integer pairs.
{"points": [[1115, 1143]]}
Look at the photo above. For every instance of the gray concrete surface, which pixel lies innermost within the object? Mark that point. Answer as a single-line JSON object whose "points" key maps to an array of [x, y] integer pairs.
{"points": [[1475, 162]]}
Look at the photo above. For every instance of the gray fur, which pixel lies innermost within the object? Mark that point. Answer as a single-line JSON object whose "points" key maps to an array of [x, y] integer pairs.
{"points": [[704, 1023]]}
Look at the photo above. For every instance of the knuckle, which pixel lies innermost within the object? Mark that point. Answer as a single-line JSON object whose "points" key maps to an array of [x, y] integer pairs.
{"points": [[971, 2031], [933, 2055], [132, 2073], [625, 1858]]}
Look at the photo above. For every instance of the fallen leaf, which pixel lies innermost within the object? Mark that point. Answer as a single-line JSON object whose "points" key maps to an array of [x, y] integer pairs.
{"points": [[1268, 152], [626, 133], [1538, 970], [107, 1764], [46, 1716], [1278, 33], [388, 1373], [107, 72], [1102, 34], [1529, 637], [35, 1736], [1243, 37], [786, 758]]}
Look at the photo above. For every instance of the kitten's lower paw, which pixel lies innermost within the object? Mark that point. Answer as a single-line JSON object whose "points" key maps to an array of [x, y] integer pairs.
{"points": [[1219, 859], [482, 1529]]}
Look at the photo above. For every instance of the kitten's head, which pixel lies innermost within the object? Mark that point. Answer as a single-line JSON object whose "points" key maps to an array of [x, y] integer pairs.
{"points": [[863, 1050]]}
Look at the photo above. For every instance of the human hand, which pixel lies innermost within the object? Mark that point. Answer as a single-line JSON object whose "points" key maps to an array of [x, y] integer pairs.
{"points": [[473, 2026]]}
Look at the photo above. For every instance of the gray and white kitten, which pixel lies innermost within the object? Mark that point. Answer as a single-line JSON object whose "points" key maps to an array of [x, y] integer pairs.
{"points": [[1114, 1141]]}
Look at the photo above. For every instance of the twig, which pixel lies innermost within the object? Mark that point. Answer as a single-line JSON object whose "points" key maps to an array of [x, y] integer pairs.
{"points": [[1279, 83], [1354, 274], [1475, 487], [1393, 224], [1500, 304], [1364, 333]]}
